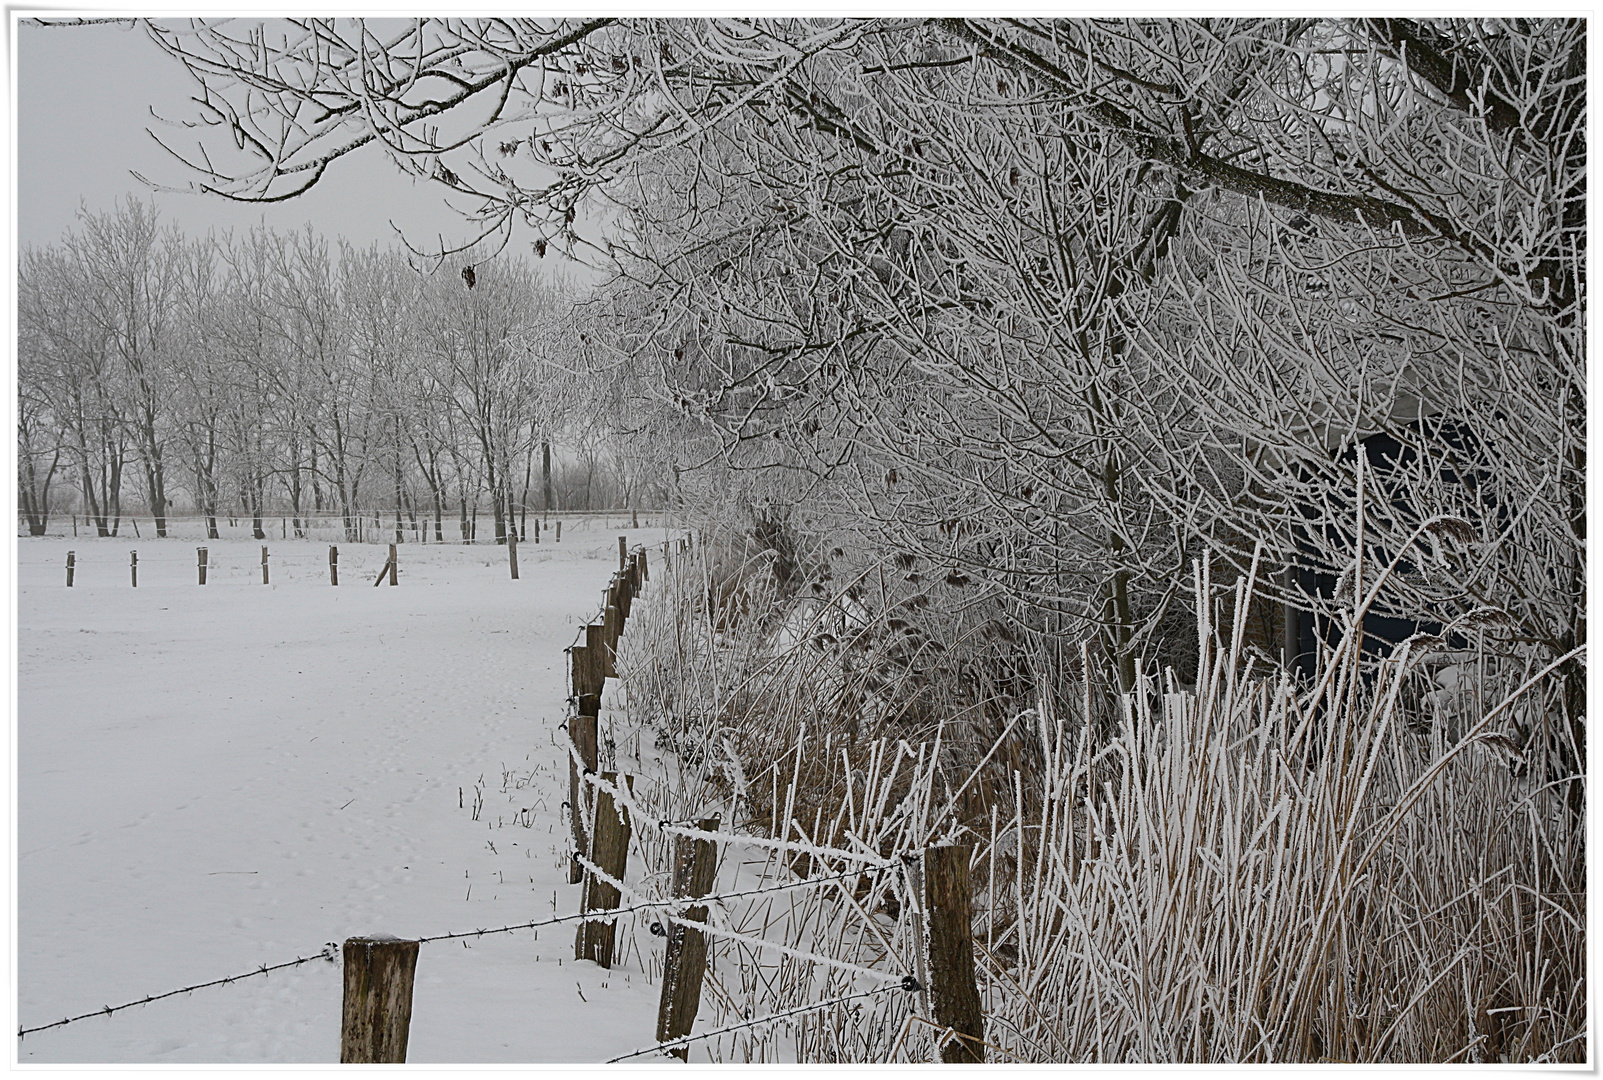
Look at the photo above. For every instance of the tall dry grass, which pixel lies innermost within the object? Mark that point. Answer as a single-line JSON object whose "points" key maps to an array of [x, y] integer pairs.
{"points": [[1240, 871]]}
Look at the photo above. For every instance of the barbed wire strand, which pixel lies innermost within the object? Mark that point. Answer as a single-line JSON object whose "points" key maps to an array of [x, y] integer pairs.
{"points": [[641, 814], [725, 932], [329, 952], [671, 1044]]}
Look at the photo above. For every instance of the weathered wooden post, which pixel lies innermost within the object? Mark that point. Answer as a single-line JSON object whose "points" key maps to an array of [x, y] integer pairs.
{"points": [[200, 554], [685, 961], [512, 554], [559, 532], [536, 530], [582, 730], [623, 552], [133, 568], [609, 850], [634, 519], [595, 641], [394, 559], [954, 997], [72, 562], [264, 564], [645, 571], [377, 1014], [613, 622], [333, 564]]}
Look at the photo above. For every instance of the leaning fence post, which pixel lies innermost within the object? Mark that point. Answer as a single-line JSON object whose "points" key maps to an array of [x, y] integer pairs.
{"points": [[685, 961], [512, 553], [949, 932], [609, 850], [377, 1014], [72, 562], [200, 554], [333, 564]]}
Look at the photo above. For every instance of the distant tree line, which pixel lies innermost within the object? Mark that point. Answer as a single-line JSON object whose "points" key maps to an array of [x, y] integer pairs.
{"points": [[276, 372]]}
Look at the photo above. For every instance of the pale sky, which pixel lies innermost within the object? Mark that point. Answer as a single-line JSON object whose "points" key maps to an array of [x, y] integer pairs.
{"points": [[84, 96]]}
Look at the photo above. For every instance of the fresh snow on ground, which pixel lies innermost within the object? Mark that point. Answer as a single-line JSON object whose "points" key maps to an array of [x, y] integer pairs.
{"points": [[212, 779]]}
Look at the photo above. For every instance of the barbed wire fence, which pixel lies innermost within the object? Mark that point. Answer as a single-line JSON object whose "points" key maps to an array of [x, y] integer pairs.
{"points": [[865, 865]]}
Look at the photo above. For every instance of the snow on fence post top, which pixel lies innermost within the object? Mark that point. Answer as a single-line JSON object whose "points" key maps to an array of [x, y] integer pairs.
{"points": [[376, 1016]]}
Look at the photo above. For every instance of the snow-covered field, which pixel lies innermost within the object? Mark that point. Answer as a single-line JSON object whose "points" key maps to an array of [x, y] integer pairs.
{"points": [[212, 779]]}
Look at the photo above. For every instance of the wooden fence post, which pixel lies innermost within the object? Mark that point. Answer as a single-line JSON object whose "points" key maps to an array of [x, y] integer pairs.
{"points": [[536, 530], [264, 564], [582, 729], [954, 998], [393, 560], [609, 850], [133, 568], [595, 641], [333, 564], [685, 961], [200, 554], [512, 553], [72, 562], [634, 519], [377, 1014], [623, 552], [559, 532], [613, 622], [645, 572]]}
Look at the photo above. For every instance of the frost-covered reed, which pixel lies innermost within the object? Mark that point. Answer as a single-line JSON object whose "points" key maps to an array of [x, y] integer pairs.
{"points": [[1238, 871]]}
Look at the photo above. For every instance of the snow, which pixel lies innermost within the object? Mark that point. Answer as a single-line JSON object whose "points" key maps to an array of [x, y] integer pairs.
{"points": [[210, 779]]}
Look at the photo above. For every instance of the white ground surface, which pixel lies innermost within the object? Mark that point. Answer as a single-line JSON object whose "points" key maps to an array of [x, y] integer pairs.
{"points": [[212, 779]]}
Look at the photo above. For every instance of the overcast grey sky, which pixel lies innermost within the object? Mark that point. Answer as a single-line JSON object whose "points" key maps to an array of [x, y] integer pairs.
{"points": [[84, 96]]}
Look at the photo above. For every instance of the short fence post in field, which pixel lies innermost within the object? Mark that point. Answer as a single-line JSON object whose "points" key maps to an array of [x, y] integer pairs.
{"points": [[512, 554], [264, 564], [949, 932], [133, 568], [72, 562], [582, 729], [200, 554], [685, 962], [623, 552], [536, 530], [377, 1013], [393, 561], [634, 519], [609, 850], [333, 564], [559, 532], [283, 528]]}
